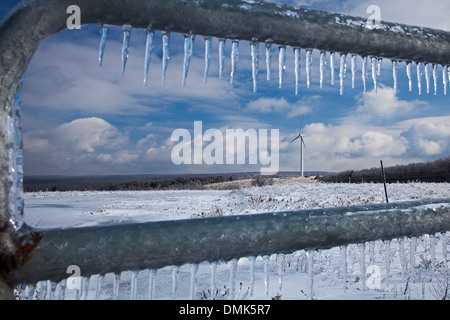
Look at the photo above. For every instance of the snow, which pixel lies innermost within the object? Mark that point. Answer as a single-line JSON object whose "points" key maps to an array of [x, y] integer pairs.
{"points": [[335, 273]]}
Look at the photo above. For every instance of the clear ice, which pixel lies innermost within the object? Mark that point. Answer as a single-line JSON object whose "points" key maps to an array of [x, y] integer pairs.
{"points": [[281, 64], [322, 67], [308, 67], [297, 68], [104, 32], [148, 54], [207, 58], [408, 73], [342, 70], [435, 78], [395, 74], [125, 45], [255, 63], [354, 68], [221, 57], [375, 73], [234, 58], [188, 50], [332, 67], [166, 55], [364, 73], [268, 59]]}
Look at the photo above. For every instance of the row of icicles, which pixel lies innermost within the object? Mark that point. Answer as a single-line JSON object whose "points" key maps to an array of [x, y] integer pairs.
{"points": [[375, 63]]}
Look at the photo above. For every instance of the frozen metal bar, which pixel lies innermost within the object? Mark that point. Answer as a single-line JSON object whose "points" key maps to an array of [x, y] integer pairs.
{"points": [[116, 248]]}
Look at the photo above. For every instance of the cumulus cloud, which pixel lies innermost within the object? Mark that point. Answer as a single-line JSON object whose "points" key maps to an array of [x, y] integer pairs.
{"points": [[281, 105]]}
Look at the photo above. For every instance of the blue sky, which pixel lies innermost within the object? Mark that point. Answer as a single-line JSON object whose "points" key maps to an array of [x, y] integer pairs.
{"points": [[82, 119]]}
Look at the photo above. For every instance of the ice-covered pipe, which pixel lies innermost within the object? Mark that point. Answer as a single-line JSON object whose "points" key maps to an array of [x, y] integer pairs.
{"points": [[31, 21], [153, 245]]}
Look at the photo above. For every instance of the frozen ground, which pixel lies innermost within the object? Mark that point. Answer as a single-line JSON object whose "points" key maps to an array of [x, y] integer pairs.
{"points": [[391, 269]]}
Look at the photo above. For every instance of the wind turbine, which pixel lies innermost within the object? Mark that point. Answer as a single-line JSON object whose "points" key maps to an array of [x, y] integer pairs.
{"points": [[302, 144]]}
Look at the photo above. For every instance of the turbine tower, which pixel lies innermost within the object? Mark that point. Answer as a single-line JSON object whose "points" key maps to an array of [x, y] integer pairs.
{"points": [[302, 144]]}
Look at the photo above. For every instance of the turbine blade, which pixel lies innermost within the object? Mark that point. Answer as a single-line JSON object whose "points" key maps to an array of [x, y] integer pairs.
{"points": [[296, 138]]}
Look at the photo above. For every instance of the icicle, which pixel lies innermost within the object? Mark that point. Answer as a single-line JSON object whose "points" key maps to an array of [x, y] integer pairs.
{"points": [[401, 253], [268, 59], [49, 293], [344, 266], [148, 54], [221, 57], [354, 67], [297, 68], [380, 65], [115, 287], [419, 77], [281, 64], [435, 76], [408, 73], [432, 251], [125, 45], [232, 266], [280, 267], [332, 67], [234, 58], [308, 67], [395, 74], [99, 286], [213, 267], [364, 73], [322, 67], [310, 256], [188, 50], [166, 54], [266, 273], [387, 260], [412, 256], [175, 271], [252, 274], [133, 289], [374, 74], [362, 264], [444, 245], [371, 253], [255, 63], [194, 269], [444, 79], [151, 284], [84, 288], [342, 70], [207, 58], [104, 32], [427, 77]]}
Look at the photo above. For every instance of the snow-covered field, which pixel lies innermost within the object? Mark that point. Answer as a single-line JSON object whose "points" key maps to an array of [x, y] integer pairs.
{"points": [[282, 276]]}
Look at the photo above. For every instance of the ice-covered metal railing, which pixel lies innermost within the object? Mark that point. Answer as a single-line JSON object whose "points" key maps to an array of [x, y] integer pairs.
{"points": [[34, 20], [115, 248]]}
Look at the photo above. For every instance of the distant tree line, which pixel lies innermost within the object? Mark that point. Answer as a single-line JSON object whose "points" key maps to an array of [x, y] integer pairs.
{"points": [[435, 171]]}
